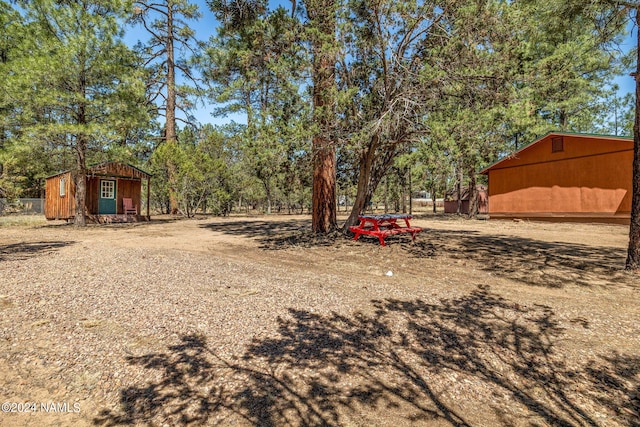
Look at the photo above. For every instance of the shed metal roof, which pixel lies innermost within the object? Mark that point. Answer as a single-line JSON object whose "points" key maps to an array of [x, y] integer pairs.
{"points": [[93, 169]]}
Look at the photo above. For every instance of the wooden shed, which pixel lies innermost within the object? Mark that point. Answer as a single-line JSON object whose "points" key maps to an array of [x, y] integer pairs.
{"points": [[564, 177], [451, 200], [108, 185]]}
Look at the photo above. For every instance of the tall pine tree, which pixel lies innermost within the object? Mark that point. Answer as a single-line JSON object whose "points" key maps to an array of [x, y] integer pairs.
{"points": [[75, 86], [167, 54]]}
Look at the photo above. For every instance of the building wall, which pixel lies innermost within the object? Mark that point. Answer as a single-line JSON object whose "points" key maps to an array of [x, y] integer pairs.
{"points": [[591, 177], [57, 206], [129, 188], [93, 190], [451, 206], [128, 185]]}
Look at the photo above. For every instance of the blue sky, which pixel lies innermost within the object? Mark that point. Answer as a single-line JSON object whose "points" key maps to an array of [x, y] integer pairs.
{"points": [[204, 28], [207, 25]]}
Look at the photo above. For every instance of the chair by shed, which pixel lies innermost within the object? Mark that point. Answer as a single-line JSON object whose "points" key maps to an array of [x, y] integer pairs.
{"points": [[128, 206]]}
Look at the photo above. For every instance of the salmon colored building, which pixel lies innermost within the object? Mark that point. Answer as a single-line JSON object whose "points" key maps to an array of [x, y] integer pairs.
{"points": [[566, 177]]}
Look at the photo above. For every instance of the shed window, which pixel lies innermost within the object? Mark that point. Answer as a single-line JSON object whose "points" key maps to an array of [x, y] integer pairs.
{"points": [[107, 189], [557, 144], [63, 187]]}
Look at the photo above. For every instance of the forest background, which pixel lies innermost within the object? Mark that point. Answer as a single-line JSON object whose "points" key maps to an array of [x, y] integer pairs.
{"points": [[376, 98]]}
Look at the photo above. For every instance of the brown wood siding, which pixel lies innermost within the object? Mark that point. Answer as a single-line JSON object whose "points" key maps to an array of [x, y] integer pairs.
{"points": [[93, 192], [130, 189], [128, 184], [590, 177], [56, 206], [451, 206]]}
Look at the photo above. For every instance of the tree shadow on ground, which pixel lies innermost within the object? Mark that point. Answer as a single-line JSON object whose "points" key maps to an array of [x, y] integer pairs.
{"points": [[23, 251], [531, 261], [474, 360], [281, 234]]}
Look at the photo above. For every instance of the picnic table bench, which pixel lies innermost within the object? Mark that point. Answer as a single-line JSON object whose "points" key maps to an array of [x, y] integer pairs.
{"points": [[382, 226]]}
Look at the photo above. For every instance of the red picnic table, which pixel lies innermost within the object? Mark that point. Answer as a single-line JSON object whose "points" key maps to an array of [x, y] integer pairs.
{"points": [[382, 226]]}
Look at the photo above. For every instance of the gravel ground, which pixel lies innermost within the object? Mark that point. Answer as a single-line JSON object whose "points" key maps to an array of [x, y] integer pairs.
{"points": [[254, 321]]}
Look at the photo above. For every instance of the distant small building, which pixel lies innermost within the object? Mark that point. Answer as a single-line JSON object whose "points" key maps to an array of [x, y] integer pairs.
{"points": [[108, 184], [451, 200], [421, 195], [564, 176]]}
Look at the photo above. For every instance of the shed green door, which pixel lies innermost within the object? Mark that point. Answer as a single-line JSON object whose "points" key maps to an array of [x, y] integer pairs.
{"points": [[107, 197]]}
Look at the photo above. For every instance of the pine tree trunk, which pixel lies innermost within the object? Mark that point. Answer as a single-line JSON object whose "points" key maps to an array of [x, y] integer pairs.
{"points": [[372, 169], [360, 202], [410, 194], [324, 209], [81, 183], [402, 177], [81, 158], [364, 180], [433, 198], [324, 213], [473, 195], [386, 195], [170, 119], [633, 252], [81, 195], [459, 179]]}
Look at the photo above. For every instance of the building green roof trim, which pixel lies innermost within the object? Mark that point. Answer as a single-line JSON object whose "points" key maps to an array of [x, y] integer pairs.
{"points": [[553, 132]]}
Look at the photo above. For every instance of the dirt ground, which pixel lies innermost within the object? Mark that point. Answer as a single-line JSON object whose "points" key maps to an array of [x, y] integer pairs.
{"points": [[256, 321]]}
